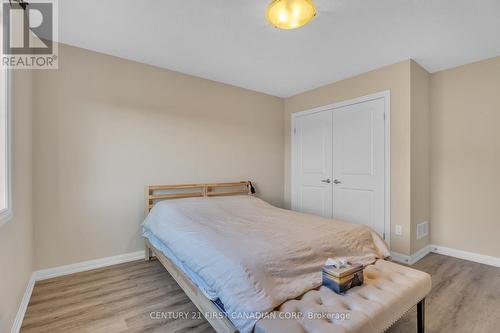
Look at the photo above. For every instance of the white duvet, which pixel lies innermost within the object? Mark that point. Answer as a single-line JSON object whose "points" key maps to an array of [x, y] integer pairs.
{"points": [[253, 255]]}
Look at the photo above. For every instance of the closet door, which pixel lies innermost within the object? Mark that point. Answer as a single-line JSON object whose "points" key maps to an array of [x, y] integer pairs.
{"points": [[358, 164], [312, 192]]}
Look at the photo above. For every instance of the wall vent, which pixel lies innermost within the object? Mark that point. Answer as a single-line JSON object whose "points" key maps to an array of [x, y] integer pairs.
{"points": [[422, 229]]}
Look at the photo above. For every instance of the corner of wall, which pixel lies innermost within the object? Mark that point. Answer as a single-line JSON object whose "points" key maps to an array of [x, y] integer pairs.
{"points": [[420, 154]]}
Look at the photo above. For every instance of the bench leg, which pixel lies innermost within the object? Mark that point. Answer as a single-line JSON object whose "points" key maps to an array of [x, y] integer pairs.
{"points": [[421, 316]]}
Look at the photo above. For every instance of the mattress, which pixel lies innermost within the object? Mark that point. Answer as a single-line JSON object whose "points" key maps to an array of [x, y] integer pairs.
{"points": [[195, 278], [253, 255]]}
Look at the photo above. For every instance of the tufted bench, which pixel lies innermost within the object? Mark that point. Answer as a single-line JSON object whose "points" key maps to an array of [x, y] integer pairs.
{"points": [[389, 291]]}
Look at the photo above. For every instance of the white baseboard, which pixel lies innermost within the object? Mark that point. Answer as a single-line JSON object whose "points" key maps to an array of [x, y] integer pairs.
{"points": [[411, 260], [86, 265], [65, 270], [470, 256], [401, 258], [420, 254], [18, 321]]}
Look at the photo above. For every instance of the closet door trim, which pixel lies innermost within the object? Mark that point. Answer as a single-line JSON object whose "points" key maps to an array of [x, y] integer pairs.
{"points": [[386, 95]]}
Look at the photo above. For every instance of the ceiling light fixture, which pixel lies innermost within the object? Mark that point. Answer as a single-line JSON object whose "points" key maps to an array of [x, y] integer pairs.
{"points": [[290, 14]]}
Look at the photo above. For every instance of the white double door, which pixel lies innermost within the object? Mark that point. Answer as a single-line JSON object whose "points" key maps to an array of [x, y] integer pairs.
{"points": [[339, 163]]}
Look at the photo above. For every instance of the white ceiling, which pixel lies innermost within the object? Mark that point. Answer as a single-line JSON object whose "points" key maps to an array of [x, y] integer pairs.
{"points": [[231, 42]]}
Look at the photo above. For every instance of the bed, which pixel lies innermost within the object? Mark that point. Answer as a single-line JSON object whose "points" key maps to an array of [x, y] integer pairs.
{"points": [[251, 267]]}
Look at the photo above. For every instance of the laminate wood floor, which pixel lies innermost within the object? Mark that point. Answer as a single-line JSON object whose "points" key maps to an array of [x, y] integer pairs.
{"points": [[465, 298]]}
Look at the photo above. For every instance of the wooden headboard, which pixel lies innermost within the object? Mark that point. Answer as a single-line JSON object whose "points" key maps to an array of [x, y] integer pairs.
{"points": [[161, 192]]}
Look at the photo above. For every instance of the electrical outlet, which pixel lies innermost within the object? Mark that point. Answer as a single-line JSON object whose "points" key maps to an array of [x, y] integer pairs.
{"points": [[399, 230]]}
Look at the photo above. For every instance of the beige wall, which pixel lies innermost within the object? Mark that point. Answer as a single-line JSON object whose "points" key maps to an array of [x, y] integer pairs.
{"points": [[465, 155], [420, 163], [105, 127], [16, 236], [395, 78], [445, 150]]}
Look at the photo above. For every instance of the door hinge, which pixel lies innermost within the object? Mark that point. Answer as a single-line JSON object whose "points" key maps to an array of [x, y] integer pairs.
{"points": [[294, 131], [384, 115]]}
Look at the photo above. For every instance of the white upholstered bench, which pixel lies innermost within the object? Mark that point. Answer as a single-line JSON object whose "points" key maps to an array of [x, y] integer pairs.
{"points": [[389, 291]]}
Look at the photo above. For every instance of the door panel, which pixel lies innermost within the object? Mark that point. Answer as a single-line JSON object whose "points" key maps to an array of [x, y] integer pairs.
{"points": [[313, 163], [358, 164], [356, 144], [354, 205]]}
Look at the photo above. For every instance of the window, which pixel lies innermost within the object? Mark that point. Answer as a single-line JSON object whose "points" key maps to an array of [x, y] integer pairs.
{"points": [[5, 192]]}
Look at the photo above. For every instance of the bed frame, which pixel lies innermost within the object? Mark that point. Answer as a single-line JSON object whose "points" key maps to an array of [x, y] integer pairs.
{"points": [[155, 193], [209, 310]]}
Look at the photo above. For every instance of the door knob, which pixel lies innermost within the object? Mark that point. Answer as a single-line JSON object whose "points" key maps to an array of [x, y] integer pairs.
{"points": [[328, 181], [336, 181]]}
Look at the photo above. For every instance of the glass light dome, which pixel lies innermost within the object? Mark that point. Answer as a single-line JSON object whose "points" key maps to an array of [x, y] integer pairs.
{"points": [[290, 14]]}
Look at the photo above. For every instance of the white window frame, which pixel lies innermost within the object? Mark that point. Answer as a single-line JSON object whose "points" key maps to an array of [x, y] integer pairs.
{"points": [[6, 213]]}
